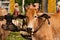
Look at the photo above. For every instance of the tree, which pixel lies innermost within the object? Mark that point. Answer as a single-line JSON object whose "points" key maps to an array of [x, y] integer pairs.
{"points": [[29, 1], [23, 5], [19, 2]]}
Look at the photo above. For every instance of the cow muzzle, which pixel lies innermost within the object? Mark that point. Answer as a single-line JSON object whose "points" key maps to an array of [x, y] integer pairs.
{"points": [[29, 30]]}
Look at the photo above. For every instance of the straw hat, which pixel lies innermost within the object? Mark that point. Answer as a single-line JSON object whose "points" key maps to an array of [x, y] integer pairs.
{"points": [[58, 3], [37, 4], [16, 4]]}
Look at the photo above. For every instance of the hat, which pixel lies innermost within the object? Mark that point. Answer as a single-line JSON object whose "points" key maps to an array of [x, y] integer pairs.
{"points": [[16, 4], [36, 3], [58, 2]]}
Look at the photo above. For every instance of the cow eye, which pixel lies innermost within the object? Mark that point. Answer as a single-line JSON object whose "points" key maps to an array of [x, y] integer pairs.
{"points": [[35, 16]]}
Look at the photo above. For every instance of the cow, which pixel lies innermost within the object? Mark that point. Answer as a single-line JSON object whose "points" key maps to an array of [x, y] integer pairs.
{"points": [[3, 33], [43, 26], [9, 23]]}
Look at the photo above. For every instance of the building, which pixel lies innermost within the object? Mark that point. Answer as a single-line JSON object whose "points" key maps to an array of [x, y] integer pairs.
{"points": [[48, 5], [5, 4], [45, 5]]}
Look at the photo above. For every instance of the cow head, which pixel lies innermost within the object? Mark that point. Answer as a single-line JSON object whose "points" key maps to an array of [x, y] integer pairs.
{"points": [[13, 23], [35, 18]]}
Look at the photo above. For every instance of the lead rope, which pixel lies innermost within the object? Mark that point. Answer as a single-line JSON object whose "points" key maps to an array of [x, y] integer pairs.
{"points": [[39, 26]]}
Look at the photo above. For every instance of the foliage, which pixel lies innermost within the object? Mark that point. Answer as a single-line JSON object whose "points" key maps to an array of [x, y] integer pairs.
{"points": [[29, 1], [19, 2], [15, 36], [26, 1]]}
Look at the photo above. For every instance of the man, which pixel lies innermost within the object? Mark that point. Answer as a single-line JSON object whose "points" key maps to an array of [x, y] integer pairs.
{"points": [[36, 5], [58, 7], [16, 9]]}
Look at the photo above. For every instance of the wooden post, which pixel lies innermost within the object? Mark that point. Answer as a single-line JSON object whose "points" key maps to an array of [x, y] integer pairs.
{"points": [[23, 6], [44, 5], [52, 6]]}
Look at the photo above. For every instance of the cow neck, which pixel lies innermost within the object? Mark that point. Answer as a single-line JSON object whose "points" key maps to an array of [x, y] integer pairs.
{"points": [[39, 26]]}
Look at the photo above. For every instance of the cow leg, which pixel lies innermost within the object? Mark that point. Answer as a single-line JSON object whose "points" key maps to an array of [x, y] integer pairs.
{"points": [[4, 35], [3, 38], [0, 36]]}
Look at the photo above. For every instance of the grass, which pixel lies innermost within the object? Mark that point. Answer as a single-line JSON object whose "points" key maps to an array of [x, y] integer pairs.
{"points": [[15, 36]]}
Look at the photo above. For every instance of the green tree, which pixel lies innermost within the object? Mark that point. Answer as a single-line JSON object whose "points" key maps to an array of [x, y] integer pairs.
{"points": [[26, 2], [19, 2], [29, 1]]}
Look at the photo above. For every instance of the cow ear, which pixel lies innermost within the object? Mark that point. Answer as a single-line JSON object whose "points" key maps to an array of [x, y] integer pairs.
{"points": [[45, 16]]}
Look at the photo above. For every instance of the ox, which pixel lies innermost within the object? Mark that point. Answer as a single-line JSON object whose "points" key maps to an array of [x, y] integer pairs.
{"points": [[11, 23], [3, 33], [43, 26]]}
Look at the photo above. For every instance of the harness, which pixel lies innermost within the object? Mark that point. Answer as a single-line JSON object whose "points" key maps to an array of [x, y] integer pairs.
{"points": [[39, 26]]}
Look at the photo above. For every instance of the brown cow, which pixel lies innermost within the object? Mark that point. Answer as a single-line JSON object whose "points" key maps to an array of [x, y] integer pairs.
{"points": [[3, 33], [43, 27]]}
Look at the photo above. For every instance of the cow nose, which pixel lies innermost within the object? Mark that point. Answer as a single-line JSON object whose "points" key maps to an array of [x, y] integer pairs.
{"points": [[29, 30]]}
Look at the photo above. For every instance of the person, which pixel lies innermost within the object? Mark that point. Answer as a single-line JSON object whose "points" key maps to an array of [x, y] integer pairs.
{"points": [[16, 9], [3, 11], [36, 5], [58, 7], [31, 6]]}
